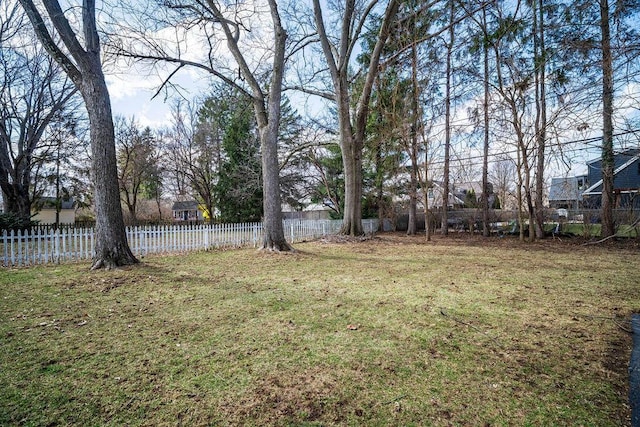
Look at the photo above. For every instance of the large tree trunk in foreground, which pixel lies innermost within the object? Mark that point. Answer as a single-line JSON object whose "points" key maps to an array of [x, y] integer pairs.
{"points": [[111, 248], [352, 121], [273, 229], [84, 68], [269, 124], [351, 148]]}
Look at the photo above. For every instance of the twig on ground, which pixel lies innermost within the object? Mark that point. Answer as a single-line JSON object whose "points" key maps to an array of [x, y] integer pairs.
{"points": [[614, 319], [456, 319], [395, 400], [610, 237]]}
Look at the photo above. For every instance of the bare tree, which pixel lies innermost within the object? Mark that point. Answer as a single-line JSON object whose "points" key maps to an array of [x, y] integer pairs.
{"points": [[338, 51], [137, 168], [34, 96], [608, 226], [447, 120], [83, 66], [224, 21], [540, 77], [503, 177]]}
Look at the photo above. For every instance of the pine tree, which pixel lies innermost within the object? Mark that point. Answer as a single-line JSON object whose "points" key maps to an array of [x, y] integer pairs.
{"points": [[239, 187]]}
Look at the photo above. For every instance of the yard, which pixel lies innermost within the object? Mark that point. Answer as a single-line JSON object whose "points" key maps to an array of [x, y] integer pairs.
{"points": [[387, 331]]}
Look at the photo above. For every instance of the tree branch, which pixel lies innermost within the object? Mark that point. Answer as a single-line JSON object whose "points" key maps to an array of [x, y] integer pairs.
{"points": [[182, 63], [326, 95], [47, 41]]}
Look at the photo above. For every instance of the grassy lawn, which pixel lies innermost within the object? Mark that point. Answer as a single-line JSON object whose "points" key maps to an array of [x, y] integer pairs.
{"points": [[390, 331]]}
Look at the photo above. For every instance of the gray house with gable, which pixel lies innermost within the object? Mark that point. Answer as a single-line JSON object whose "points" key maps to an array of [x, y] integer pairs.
{"points": [[626, 181], [566, 192]]}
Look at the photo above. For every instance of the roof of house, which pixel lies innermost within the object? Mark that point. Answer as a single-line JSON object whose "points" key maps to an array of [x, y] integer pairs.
{"points": [[629, 152], [634, 158], [189, 205], [50, 203], [452, 200], [565, 188]]}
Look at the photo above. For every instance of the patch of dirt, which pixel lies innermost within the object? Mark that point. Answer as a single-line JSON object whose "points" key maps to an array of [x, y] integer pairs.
{"points": [[616, 364], [563, 244], [337, 238], [281, 400]]}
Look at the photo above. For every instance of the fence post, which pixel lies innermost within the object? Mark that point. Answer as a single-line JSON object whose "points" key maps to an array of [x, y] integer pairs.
{"points": [[55, 250], [19, 247], [5, 259]]}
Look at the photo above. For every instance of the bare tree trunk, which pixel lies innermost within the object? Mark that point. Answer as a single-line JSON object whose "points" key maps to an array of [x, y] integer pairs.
{"points": [[541, 113], [447, 118], [427, 210], [519, 196], [84, 68], [380, 186], [267, 112], [352, 134], [413, 149], [485, 155], [111, 248], [413, 190], [274, 239], [273, 228], [608, 225], [352, 163]]}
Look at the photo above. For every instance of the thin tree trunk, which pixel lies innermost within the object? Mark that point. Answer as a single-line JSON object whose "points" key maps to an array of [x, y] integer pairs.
{"points": [[413, 149], [447, 142], [413, 190], [485, 155], [608, 225], [519, 196], [541, 114], [427, 210], [380, 185]]}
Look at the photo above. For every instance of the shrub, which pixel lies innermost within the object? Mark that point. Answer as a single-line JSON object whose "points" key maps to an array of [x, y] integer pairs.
{"points": [[11, 221]]}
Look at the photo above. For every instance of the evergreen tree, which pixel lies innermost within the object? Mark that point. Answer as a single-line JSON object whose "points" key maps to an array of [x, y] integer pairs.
{"points": [[239, 187]]}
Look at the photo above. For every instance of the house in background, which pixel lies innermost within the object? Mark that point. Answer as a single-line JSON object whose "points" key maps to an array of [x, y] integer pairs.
{"points": [[626, 181], [434, 197], [312, 211], [461, 195], [188, 211], [45, 211], [471, 193], [566, 192]]}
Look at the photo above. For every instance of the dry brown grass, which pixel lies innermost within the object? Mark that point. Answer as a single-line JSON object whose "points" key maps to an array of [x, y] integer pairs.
{"points": [[387, 331]]}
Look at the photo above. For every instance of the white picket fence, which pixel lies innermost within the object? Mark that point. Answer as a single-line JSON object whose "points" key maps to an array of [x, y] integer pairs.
{"points": [[25, 248]]}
